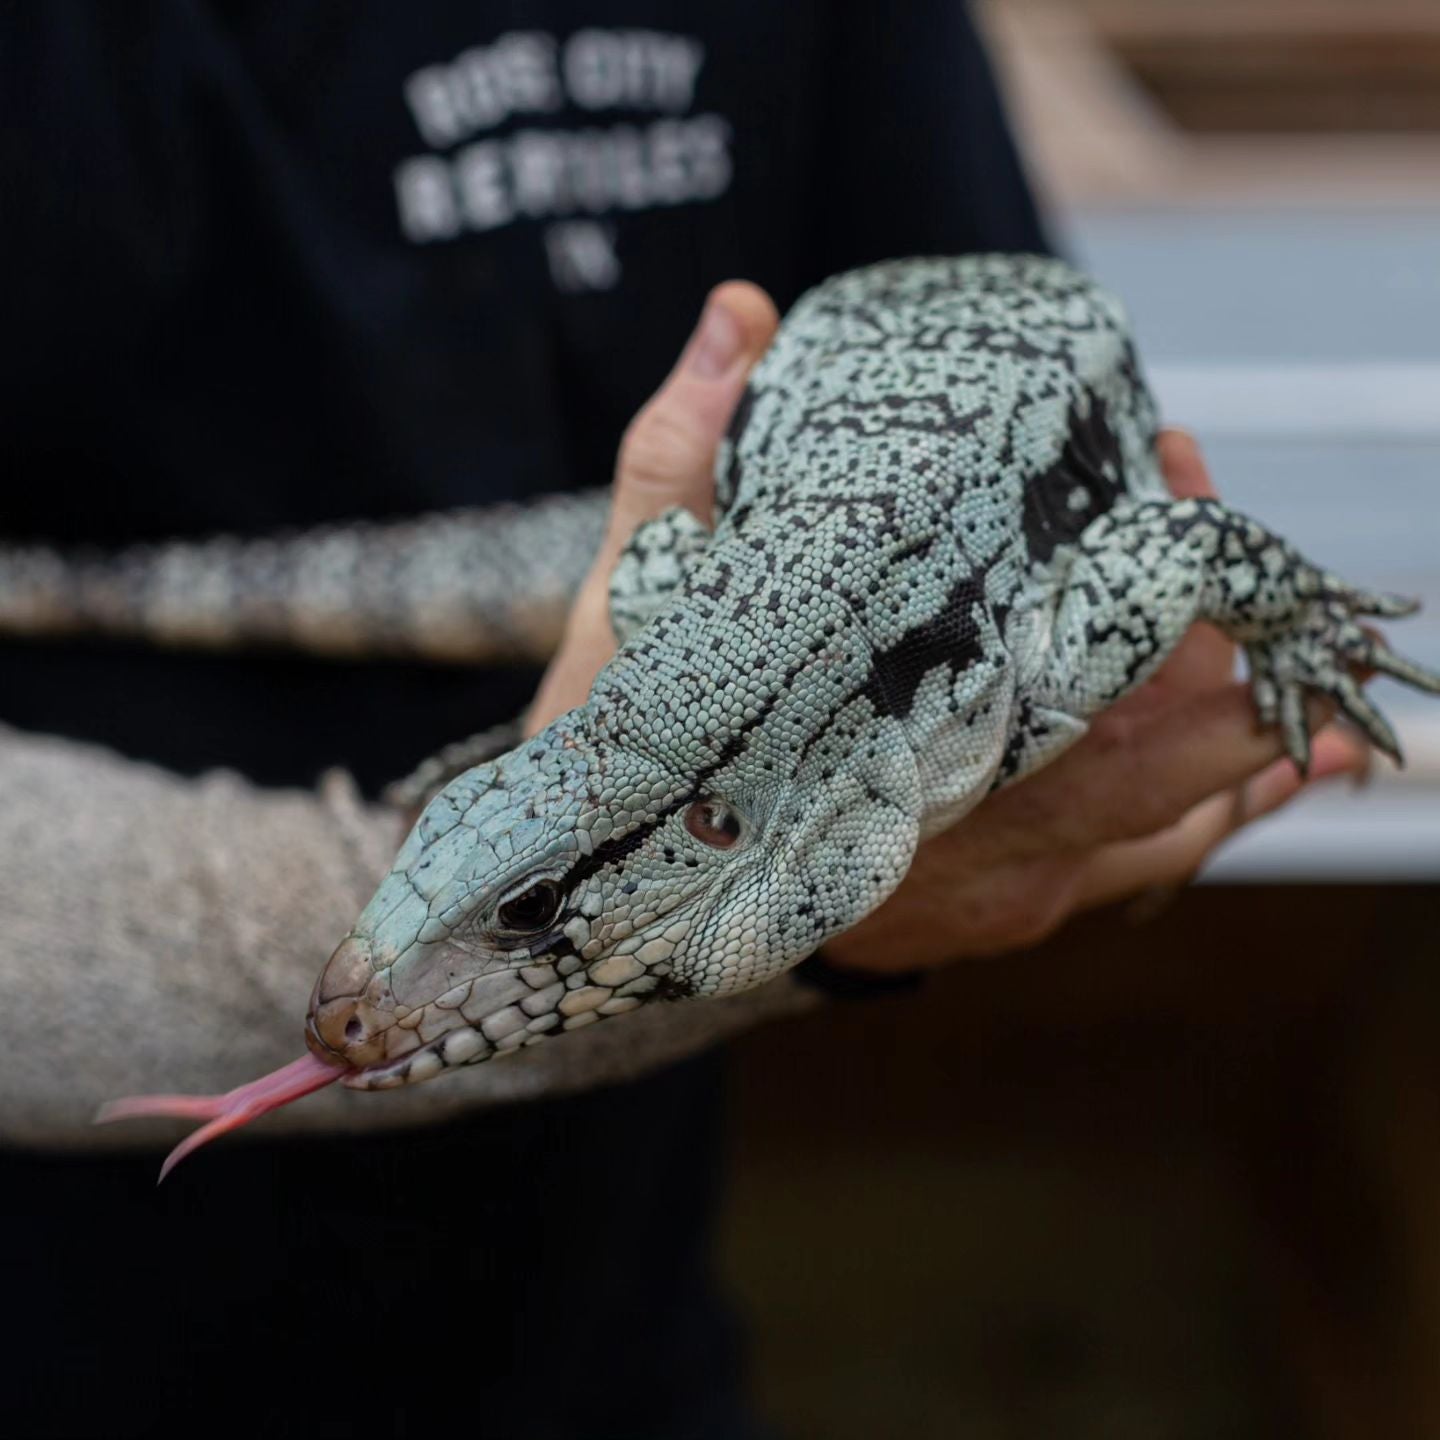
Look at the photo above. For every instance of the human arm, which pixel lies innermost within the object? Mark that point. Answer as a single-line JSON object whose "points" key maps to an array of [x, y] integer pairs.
{"points": [[159, 933]]}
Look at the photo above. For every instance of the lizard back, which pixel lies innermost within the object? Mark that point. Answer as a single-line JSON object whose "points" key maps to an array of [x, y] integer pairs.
{"points": [[910, 468]]}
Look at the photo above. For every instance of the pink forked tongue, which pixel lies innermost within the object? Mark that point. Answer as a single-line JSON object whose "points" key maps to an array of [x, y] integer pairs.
{"points": [[226, 1112]]}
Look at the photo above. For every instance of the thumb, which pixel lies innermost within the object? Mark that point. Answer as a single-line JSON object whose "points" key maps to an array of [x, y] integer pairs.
{"points": [[668, 452]]}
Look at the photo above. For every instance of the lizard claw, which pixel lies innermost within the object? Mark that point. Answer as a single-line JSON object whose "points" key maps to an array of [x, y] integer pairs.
{"points": [[1319, 654], [1355, 601], [1379, 656]]}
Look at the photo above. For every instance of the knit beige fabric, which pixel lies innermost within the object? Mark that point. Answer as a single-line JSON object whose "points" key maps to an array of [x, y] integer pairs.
{"points": [[163, 934]]}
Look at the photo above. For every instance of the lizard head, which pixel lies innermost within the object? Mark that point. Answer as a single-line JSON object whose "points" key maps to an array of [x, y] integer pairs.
{"points": [[581, 876]]}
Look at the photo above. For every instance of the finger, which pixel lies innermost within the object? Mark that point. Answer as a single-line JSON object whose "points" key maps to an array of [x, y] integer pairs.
{"points": [[1131, 867], [1133, 776], [1203, 745], [1187, 476], [1203, 660], [1172, 856]]}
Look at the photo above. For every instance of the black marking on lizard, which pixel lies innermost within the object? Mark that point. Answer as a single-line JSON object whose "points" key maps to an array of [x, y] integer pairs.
{"points": [[952, 637], [1084, 483]]}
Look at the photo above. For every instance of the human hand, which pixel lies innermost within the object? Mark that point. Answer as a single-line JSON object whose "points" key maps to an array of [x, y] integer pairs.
{"points": [[1157, 783]]}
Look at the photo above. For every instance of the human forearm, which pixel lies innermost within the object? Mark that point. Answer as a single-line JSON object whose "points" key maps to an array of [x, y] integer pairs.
{"points": [[158, 933]]}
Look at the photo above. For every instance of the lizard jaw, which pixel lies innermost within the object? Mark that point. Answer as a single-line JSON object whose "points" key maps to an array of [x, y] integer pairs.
{"points": [[384, 1044], [527, 1014], [465, 1045]]}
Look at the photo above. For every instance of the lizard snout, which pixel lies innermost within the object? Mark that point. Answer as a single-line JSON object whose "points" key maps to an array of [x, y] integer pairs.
{"points": [[342, 1023]]}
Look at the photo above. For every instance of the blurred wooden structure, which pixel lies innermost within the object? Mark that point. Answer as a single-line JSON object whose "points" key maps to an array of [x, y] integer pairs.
{"points": [[1194, 101], [1283, 67]]}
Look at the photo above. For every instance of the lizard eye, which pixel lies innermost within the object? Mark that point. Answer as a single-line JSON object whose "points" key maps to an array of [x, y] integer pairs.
{"points": [[533, 909], [714, 823]]}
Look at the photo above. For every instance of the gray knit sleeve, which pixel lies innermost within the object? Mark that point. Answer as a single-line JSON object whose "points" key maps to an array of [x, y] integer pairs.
{"points": [[162, 934]]}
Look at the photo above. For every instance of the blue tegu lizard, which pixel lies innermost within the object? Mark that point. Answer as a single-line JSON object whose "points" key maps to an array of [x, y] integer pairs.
{"points": [[943, 545]]}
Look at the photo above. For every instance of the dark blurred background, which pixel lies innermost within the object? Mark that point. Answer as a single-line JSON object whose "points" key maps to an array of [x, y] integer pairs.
{"points": [[1177, 1172]]}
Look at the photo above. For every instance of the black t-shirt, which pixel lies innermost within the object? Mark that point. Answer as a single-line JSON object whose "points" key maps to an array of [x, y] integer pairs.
{"points": [[267, 263], [270, 264]]}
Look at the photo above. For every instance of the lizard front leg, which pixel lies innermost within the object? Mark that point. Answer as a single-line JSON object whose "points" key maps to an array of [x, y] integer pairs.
{"points": [[653, 565], [1144, 572]]}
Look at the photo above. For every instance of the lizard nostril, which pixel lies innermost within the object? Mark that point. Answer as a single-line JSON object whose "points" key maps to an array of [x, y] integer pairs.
{"points": [[346, 1032]]}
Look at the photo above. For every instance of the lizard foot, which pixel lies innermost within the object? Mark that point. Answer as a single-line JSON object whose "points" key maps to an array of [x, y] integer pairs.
{"points": [[1319, 653]]}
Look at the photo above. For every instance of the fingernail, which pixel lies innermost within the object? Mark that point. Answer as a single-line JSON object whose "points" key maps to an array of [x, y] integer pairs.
{"points": [[1363, 777], [717, 343], [1323, 767], [1331, 760]]}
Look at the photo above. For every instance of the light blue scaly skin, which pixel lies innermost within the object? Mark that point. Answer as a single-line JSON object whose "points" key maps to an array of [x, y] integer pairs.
{"points": [[943, 546]]}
